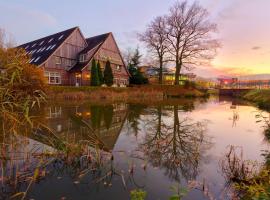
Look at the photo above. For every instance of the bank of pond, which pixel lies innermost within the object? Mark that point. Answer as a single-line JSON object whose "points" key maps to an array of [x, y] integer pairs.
{"points": [[152, 93], [215, 148]]}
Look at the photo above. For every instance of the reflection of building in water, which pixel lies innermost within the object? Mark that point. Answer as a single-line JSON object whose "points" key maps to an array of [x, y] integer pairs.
{"points": [[87, 122], [54, 112]]}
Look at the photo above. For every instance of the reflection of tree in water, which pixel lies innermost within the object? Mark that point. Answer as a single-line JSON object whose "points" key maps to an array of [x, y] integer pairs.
{"points": [[101, 112], [177, 146], [133, 117]]}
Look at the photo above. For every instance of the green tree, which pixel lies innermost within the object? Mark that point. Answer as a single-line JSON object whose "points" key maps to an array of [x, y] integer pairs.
{"points": [[94, 74], [136, 58], [136, 77], [108, 75], [100, 74]]}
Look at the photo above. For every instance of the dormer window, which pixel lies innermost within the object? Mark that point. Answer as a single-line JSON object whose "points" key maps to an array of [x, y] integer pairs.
{"points": [[82, 58]]}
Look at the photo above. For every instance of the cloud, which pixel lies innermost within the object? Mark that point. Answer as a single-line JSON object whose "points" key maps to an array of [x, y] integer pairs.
{"points": [[256, 48], [215, 71], [25, 23]]}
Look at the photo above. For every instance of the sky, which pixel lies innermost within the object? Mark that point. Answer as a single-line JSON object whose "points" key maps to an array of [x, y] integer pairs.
{"points": [[244, 26]]}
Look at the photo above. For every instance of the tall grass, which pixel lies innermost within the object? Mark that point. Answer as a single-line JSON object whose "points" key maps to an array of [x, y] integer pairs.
{"points": [[143, 93]]}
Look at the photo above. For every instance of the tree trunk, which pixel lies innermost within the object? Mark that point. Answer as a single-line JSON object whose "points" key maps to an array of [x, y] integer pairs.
{"points": [[160, 71], [177, 73]]}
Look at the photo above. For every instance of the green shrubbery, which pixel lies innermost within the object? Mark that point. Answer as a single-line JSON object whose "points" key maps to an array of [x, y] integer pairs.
{"points": [[94, 74], [260, 97], [108, 75]]}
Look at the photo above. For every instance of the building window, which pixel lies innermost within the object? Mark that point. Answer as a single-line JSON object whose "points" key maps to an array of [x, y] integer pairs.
{"points": [[82, 58], [118, 67], [53, 77], [69, 62], [87, 76], [57, 60]]}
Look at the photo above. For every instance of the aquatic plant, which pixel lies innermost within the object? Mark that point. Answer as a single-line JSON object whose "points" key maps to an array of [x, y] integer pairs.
{"points": [[249, 179], [178, 191], [138, 194]]}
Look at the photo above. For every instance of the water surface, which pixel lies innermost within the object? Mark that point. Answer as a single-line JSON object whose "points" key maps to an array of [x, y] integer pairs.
{"points": [[149, 147]]}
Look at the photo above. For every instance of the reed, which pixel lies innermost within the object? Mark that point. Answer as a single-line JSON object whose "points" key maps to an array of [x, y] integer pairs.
{"points": [[143, 93]]}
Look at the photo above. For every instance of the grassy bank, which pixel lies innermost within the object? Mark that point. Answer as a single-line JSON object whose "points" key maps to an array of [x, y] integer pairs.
{"points": [[260, 97], [140, 93]]}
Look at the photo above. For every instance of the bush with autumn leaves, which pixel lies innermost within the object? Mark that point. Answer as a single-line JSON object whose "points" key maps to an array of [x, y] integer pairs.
{"points": [[22, 86]]}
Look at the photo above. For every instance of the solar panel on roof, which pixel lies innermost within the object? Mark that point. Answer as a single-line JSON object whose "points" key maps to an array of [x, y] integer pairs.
{"points": [[37, 59], [53, 46], [32, 60]]}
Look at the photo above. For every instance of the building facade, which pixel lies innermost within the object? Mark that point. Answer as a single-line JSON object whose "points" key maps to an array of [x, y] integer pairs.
{"points": [[168, 75], [256, 81], [66, 57]]}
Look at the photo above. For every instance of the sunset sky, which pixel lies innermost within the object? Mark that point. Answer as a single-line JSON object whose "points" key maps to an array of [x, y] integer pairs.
{"points": [[244, 26]]}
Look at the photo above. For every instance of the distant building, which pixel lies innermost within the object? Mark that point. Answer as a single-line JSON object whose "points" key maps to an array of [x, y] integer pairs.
{"points": [[257, 81], [66, 57], [152, 73]]}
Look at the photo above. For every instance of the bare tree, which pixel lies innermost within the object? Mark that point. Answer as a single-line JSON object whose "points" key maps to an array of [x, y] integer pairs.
{"points": [[190, 36], [155, 39], [6, 40]]}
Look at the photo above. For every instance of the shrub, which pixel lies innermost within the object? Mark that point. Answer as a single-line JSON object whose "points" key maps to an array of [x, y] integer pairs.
{"points": [[94, 74], [136, 78], [100, 74], [22, 86], [108, 75]]}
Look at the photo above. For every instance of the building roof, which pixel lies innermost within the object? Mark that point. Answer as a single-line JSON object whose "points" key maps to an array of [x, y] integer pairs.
{"points": [[41, 49], [95, 41], [93, 44]]}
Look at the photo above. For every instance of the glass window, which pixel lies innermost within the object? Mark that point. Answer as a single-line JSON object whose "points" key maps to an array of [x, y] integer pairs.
{"points": [[69, 62], [82, 58], [57, 60], [118, 67], [53, 77]]}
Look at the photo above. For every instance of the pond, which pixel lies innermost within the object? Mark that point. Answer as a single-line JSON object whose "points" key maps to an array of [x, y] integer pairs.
{"points": [[175, 145]]}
